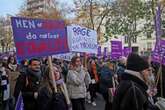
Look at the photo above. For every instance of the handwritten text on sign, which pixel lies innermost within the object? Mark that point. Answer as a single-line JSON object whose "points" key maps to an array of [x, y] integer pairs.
{"points": [[36, 37], [82, 39]]}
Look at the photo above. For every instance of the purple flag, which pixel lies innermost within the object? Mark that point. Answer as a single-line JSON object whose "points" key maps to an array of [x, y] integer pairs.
{"points": [[158, 54], [116, 49], [158, 29], [19, 104]]}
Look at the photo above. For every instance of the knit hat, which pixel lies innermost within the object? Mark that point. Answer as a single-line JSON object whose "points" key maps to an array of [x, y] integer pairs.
{"points": [[136, 63]]}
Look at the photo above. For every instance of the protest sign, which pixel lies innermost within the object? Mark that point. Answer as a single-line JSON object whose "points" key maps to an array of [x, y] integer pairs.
{"points": [[127, 51], [105, 52], [37, 37], [19, 103], [99, 51], [64, 56], [116, 49], [82, 39]]}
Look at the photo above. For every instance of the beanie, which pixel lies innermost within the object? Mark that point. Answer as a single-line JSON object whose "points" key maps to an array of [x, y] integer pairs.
{"points": [[136, 63]]}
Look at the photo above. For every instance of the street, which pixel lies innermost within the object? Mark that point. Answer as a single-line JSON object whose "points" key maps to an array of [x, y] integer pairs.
{"points": [[100, 104]]}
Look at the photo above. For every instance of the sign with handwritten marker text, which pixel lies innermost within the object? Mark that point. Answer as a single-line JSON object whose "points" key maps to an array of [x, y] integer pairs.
{"points": [[37, 37]]}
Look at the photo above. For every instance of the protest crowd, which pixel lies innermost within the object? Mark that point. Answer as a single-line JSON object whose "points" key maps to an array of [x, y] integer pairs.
{"points": [[125, 84], [38, 76]]}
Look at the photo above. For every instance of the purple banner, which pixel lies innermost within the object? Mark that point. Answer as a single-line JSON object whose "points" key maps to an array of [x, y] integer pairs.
{"points": [[37, 37], [158, 29], [19, 104], [116, 49], [105, 52], [127, 51], [158, 54], [99, 51]]}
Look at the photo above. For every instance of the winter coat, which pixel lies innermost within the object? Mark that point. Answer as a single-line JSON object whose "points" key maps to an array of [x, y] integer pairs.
{"points": [[105, 79], [131, 94], [28, 84], [77, 82], [51, 101]]}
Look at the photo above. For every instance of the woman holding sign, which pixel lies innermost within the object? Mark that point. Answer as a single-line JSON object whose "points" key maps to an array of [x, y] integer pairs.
{"points": [[77, 80], [48, 99]]}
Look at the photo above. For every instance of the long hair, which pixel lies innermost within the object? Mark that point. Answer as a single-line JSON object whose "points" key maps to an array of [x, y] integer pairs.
{"points": [[73, 60], [47, 80]]}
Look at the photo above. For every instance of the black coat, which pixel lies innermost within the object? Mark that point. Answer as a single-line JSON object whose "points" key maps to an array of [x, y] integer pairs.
{"points": [[131, 95], [28, 84], [51, 101]]}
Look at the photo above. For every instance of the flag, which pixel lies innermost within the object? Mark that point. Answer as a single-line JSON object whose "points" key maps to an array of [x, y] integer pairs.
{"points": [[158, 29]]}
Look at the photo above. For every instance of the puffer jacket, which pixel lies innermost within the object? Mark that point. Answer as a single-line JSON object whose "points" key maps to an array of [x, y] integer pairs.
{"points": [[77, 83]]}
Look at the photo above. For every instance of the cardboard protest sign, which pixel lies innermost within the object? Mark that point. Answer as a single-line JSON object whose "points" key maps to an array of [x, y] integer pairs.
{"points": [[37, 37], [64, 56], [116, 49], [82, 39]]}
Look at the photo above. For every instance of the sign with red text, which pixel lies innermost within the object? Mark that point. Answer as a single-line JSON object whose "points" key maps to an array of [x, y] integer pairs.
{"points": [[82, 39], [37, 37]]}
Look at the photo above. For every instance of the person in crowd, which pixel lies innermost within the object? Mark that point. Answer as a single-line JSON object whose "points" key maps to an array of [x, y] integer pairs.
{"points": [[12, 63], [92, 69], [106, 83], [5, 61], [28, 84], [13, 74], [5, 87], [47, 98], [77, 80], [132, 91], [22, 67], [121, 67]]}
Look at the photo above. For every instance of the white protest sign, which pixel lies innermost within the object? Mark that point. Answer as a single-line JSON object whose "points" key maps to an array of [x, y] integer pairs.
{"points": [[64, 56], [82, 39]]}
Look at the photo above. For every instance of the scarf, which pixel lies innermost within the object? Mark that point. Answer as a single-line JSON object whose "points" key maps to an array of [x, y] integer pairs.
{"points": [[35, 73], [12, 67]]}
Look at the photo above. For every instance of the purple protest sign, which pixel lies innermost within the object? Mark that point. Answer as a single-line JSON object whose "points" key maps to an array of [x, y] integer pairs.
{"points": [[37, 37], [116, 49], [99, 51], [105, 52], [127, 51], [19, 103]]}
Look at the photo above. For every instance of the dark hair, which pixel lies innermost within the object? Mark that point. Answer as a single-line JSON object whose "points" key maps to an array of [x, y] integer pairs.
{"points": [[33, 59], [73, 60], [8, 61]]}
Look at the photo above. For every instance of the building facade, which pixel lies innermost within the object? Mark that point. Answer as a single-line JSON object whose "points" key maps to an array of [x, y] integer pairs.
{"points": [[39, 6]]}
